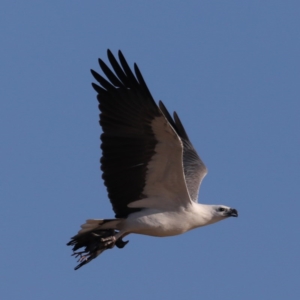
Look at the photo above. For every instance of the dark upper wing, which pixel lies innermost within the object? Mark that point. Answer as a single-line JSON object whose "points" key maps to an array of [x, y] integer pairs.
{"points": [[194, 168], [126, 111], [145, 153]]}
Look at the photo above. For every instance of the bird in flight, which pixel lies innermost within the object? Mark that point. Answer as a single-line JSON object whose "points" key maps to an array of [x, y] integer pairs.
{"points": [[149, 166]]}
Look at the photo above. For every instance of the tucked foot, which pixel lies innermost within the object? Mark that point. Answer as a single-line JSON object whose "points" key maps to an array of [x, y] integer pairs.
{"points": [[120, 243], [109, 241]]}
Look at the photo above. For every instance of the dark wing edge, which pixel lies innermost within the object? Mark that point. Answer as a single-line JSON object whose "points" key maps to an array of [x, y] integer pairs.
{"points": [[126, 112], [194, 168]]}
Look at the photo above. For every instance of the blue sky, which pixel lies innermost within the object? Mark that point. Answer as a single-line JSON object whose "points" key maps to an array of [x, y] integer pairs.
{"points": [[231, 71]]}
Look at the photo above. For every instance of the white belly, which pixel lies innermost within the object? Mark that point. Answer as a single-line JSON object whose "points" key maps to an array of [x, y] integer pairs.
{"points": [[158, 223]]}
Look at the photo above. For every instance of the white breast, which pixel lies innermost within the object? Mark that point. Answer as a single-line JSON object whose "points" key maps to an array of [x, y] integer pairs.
{"points": [[162, 223]]}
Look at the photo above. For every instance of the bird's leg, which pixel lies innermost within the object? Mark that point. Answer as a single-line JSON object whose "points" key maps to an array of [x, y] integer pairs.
{"points": [[109, 241], [113, 240]]}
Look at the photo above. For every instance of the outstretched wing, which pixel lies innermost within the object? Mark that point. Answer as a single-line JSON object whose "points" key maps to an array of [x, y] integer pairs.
{"points": [[141, 151], [194, 168]]}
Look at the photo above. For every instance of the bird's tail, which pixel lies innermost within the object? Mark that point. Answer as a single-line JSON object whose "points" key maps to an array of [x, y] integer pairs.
{"points": [[95, 236]]}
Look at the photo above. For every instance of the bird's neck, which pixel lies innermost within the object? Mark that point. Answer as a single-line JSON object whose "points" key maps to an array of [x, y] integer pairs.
{"points": [[202, 214]]}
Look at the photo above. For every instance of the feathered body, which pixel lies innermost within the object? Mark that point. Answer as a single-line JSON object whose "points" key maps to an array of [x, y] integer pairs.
{"points": [[150, 168]]}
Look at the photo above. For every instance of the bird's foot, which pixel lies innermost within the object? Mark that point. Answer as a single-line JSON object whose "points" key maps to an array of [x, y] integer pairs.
{"points": [[109, 241]]}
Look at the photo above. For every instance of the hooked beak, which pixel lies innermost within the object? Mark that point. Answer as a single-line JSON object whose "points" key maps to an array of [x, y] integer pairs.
{"points": [[232, 212]]}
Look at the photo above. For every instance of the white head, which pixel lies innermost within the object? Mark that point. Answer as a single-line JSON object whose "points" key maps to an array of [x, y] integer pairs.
{"points": [[214, 213], [221, 212]]}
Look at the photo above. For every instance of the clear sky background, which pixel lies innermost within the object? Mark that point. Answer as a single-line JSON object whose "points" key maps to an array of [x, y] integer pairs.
{"points": [[231, 69]]}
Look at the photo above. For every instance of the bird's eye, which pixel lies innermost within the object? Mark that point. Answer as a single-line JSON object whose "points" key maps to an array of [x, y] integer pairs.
{"points": [[221, 209]]}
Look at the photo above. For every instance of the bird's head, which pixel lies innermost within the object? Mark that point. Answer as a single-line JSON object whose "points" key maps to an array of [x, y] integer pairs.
{"points": [[222, 212], [214, 213]]}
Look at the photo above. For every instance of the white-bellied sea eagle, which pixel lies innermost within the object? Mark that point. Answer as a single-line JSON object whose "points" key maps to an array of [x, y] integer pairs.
{"points": [[149, 166]]}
